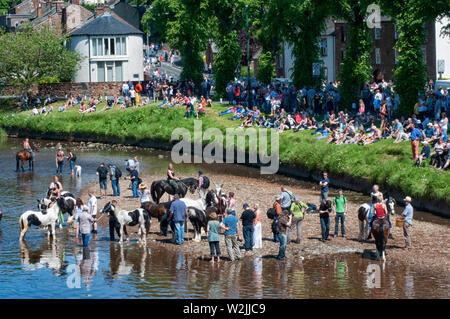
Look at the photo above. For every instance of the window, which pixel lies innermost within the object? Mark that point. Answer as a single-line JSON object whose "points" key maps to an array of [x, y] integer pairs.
{"points": [[377, 56], [110, 71], [323, 47], [109, 46], [377, 33], [118, 72], [100, 71]]}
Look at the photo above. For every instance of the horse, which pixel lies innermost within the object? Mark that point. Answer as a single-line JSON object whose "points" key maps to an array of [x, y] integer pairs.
{"points": [[22, 156], [363, 216], [155, 211], [215, 203], [380, 231], [158, 188], [66, 203], [197, 215], [129, 218], [46, 217]]}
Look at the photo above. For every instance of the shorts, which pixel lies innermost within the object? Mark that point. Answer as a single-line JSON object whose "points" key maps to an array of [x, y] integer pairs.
{"points": [[103, 184]]}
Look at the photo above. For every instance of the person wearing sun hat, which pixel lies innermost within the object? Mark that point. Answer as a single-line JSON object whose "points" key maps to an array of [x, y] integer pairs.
{"points": [[408, 215], [144, 193]]}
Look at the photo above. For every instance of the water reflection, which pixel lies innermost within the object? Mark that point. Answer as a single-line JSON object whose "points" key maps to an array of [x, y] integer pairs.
{"points": [[48, 255], [87, 261]]}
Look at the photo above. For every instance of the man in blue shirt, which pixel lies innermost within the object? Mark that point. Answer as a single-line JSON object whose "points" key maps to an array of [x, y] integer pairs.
{"points": [[324, 186], [134, 182], [415, 136], [229, 223], [179, 213], [408, 214]]}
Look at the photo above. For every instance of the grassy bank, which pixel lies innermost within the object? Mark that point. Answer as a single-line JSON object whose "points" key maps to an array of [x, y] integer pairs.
{"points": [[384, 163]]}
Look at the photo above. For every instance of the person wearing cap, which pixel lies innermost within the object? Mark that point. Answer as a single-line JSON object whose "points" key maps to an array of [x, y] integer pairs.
{"points": [[297, 218], [408, 215], [340, 208], [102, 173], [426, 153], [278, 212], [247, 218], [229, 224]]}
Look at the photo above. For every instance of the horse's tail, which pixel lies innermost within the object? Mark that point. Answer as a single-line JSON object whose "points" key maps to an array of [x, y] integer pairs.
{"points": [[153, 192]]}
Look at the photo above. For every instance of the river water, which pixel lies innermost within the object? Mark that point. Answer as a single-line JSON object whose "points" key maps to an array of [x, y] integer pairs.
{"points": [[40, 269]]}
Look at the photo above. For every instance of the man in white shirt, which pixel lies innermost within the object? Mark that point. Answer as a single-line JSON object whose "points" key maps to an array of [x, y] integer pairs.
{"points": [[92, 206], [125, 89]]}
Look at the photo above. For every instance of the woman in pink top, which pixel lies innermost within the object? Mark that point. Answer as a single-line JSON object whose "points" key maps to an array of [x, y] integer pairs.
{"points": [[362, 107]]}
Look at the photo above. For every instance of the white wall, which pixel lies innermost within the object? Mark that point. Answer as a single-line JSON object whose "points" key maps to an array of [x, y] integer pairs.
{"points": [[443, 47], [132, 63]]}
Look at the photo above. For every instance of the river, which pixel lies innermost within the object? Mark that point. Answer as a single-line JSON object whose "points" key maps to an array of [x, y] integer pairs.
{"points": [[42, 270]]}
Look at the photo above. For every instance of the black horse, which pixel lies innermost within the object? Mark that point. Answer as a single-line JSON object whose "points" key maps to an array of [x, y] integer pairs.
{"points": [[158, 188], [215, 203]]}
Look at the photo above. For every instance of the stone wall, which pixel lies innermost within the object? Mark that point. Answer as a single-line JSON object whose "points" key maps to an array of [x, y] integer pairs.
{"points": [[63, 89]]}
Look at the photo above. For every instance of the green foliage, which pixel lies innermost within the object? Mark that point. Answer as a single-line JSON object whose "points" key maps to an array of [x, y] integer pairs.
{"points": [[5, 6], [29, 56], [266, 68], [90, 6], [226, 61], [356, 66]]}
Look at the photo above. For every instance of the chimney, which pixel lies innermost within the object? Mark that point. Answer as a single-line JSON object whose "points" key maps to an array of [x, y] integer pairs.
{"points": [[39, 10]]}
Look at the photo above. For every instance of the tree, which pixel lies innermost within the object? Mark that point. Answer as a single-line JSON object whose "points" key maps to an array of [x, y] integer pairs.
{"points": [[266, 68], [30, 56], [5, 6], [411, 17], [184, 25], [356, 66]]}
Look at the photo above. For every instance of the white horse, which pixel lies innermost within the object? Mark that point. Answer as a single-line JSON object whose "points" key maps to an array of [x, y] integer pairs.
{"points": [[45, 218], [363, 216], [197, 216], [128, 218]]}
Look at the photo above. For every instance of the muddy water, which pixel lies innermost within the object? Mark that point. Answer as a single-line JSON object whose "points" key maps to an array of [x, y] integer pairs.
{"points": [[40, 269]]}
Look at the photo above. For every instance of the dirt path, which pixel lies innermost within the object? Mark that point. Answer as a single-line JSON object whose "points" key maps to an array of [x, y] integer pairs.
{"points": [[430, 242]]}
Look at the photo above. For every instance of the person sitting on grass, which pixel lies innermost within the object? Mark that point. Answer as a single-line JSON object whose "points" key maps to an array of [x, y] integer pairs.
{"points": [[324, 133], [426, 153], [93, 108], [50, 110], [82, 107], [34, 111], [125, 104], [200, 110], [62, 108], [109, 105]]}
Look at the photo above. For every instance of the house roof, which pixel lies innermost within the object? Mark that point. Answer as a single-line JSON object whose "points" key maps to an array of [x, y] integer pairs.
{"points": [[106, 24]]}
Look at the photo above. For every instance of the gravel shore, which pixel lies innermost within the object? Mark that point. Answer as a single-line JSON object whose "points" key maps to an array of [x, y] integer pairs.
{"points": [[430, 242]]}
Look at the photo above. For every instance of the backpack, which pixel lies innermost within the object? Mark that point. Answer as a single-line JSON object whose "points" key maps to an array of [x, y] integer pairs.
{"points": [[206, 183], [275, 227], [271, 213], [118, 173]]}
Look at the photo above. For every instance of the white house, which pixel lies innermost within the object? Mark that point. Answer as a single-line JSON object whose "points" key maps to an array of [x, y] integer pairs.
{"points": [[112, 49]]}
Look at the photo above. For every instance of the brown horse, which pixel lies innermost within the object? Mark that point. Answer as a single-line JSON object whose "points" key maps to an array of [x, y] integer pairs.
{"points": [[380, 231], [22, 156], [155, 211]]}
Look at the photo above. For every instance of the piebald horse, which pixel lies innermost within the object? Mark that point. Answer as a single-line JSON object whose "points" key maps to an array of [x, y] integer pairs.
{"points": [[46, 217], [129, 218], [363, 216], [197, 215]]}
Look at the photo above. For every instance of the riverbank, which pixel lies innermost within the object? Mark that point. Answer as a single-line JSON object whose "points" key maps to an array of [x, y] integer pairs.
{"points": [[350, 166], [430, 242]]}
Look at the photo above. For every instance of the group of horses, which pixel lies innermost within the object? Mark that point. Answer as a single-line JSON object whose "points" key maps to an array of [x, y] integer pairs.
{"points": [[199, 211]]}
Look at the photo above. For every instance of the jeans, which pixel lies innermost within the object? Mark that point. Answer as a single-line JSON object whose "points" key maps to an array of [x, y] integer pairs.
{"points": [[113, 226], [115, 187], [72, 165], [282, 251], [248, 237], [31, 153], [103, 184], [214, 245], [295, 222], [60, 167], [85, 238], [340, 216], [323, 195], [134, 187], [325, 226], [179, 229], [276, 238], [232, 247]]}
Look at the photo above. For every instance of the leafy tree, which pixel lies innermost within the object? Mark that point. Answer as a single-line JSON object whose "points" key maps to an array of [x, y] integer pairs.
{"points": [[266, 68], [411, 17], [30, 56], [5, 6], [356, 66]]}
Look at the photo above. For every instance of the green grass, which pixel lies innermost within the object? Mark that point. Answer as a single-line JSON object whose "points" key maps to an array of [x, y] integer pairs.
{"points": [[384, 163]]}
